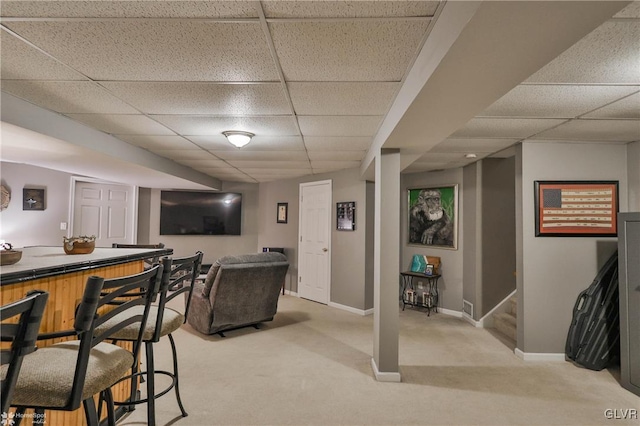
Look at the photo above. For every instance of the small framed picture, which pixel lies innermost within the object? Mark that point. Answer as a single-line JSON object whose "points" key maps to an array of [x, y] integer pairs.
{"points": [[283, 212], [428, 269], [33, 199]]}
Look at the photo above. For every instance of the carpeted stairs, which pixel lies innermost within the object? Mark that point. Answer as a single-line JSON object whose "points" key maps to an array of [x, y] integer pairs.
{"points": [[506, 323]]}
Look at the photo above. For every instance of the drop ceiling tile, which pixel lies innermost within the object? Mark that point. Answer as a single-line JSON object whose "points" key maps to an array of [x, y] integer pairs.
{"points": [[333, 51], [214, 125], [68, 96], [23, 62], [339, 125], [203, 98], [269, 164], [276, 172], [213, 169], [122, 124], [348, 9], [205, 163], [628, 107], [342, 98], [262, 155], [156, 50], [337, 155], [269, 177], [504, 127], [158, 142], [185, 154], [128, 9], [555, 101], [338, 143], [602, 130], [334, 165], [591, 59], [472, 145], [258, 143]]}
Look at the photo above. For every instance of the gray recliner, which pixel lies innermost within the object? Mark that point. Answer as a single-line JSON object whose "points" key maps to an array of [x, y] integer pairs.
{"points": [[239, 291]]}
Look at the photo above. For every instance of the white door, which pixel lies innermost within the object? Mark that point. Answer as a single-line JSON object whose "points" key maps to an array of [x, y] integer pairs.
{"points": [[105, 210], [314, 262]]}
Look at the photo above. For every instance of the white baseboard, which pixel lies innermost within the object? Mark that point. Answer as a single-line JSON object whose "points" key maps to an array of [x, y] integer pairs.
{"points": [[382, 376], [532, 356], [351, 309], [457, 314], [470, 320], [290, 293]]}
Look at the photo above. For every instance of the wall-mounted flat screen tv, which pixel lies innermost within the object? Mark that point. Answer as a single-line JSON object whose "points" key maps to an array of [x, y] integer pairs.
{"points": [[200, 213]]}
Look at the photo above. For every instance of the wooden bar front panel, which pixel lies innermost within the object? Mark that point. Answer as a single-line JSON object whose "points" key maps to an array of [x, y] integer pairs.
{"points": [[65, 292]]}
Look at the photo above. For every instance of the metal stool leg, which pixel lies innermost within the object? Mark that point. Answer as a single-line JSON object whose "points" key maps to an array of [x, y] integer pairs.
{"points": [[151, 390], [175, 375]]}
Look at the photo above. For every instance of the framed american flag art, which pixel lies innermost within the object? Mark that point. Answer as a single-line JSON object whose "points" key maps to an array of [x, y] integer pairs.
{"points": [[576, 208]]}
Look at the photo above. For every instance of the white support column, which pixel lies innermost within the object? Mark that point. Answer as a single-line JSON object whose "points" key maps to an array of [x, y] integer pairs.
{"points": [[386, 266]]}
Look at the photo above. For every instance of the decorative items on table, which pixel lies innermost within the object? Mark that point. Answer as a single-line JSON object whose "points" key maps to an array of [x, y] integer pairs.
{"points": [[428, 265], [79, 245], [9, 256]]}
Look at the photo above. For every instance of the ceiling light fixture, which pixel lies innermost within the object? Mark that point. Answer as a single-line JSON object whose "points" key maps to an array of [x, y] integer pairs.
{"points": [[470, 156], [238, 138]]}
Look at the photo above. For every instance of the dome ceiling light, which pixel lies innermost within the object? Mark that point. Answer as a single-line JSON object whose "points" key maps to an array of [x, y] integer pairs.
{"points": [[238, 138]]}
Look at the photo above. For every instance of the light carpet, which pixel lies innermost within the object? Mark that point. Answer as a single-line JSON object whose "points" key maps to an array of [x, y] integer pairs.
{"points": [[312, 366]]}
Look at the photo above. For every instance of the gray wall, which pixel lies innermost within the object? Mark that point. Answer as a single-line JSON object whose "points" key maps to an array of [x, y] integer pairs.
{"points": [[633, 169], [39, 227], [144, 214], [552, 271], [369, 244], [498, 231], [450, 284], [349, 285], [213, 246]]}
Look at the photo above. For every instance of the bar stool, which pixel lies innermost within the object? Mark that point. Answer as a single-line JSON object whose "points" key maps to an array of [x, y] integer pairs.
{"points": [[178, 278], [63, 375], [22, 336]]}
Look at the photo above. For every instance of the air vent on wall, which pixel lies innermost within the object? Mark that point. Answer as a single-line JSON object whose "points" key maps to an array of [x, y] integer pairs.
{"points": [[467, 308]]}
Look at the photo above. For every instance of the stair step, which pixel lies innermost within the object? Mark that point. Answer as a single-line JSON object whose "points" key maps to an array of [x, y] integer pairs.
{"points": [[506, 324], [514, 306]]}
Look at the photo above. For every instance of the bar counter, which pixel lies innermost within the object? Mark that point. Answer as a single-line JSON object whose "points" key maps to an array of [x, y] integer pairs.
{"points": [[64, 276], [40, 262]]}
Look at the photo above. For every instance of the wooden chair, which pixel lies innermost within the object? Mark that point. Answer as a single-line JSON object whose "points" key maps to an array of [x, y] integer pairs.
{"points": [[22, 336], [66, 374]]}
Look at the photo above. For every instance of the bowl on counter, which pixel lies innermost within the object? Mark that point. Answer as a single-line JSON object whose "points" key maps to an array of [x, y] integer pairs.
{"points": [[79, 245], [9, 257]]}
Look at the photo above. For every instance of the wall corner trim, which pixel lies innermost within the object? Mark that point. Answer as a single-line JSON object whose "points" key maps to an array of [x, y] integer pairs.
{"points": [[384, 376], [532, 356], [471, 321]]}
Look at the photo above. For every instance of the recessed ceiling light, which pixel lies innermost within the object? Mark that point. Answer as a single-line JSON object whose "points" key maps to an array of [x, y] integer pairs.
{"points": [[470, 156]]}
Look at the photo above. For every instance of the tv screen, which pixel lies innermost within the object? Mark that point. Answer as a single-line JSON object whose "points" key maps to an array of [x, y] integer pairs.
{"points": [[200, 213]]}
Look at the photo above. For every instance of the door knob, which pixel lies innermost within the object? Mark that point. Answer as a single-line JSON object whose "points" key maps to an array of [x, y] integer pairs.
{"points": [[325, 249]]}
